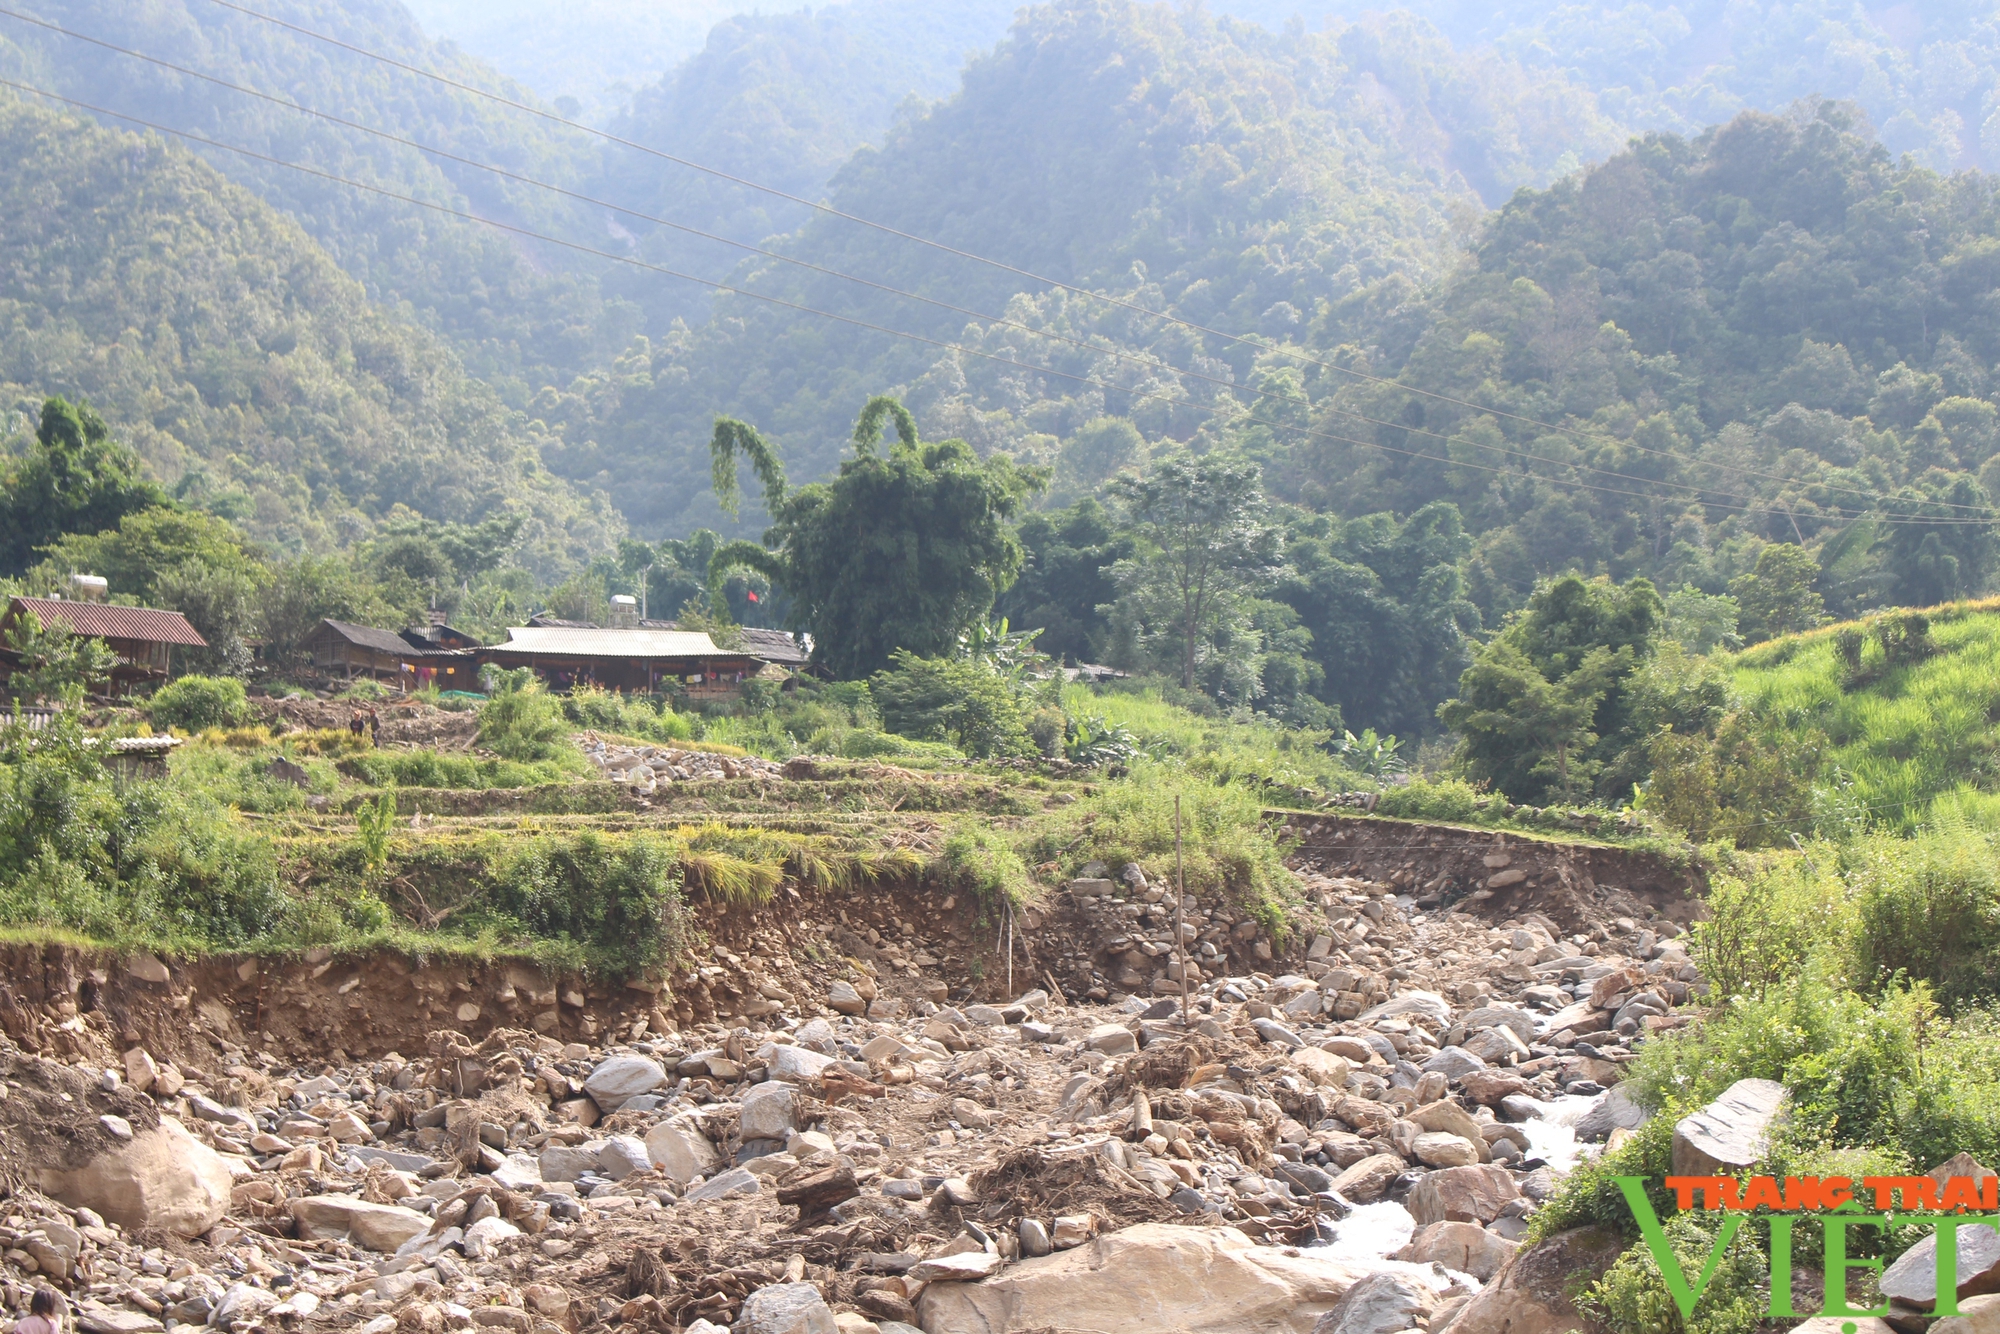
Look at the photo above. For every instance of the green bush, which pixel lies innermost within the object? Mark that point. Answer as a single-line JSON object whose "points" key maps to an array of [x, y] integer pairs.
{"points": [[196, 703], [977, 859], [1447, 800], [1929, 910], [525, 723], [620, 901], [950, 699], [429, 768], [1632, 1297]]}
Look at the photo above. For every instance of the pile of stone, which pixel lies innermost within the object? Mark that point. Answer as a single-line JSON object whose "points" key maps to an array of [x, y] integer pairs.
{"points": [[646, 768]]}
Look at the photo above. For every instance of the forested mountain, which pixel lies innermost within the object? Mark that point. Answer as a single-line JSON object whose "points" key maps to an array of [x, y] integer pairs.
{"points": [[1201, 165], [236, 357], [1773, 331], [1927, 74], [521, 318], [784, 100]]}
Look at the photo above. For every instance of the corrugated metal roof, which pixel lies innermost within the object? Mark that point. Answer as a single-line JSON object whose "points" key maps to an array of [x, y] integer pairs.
{"points": [[574, 642], [102, 621]]}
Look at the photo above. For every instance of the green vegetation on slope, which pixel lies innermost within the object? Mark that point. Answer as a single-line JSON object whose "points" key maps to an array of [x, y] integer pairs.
{"points": [[224, 346], [1909, 716]]}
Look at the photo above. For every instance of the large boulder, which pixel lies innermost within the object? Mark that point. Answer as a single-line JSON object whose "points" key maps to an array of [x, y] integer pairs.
{"points": [[375, 1227], [679, 1149], [1613, 1110], [1531, 1293], [1161, 1279], [1912, 1280], [785, 1308], [1472, 1194], [770, 1111], [163, 1179], [1976, 1315], [621, 1078], [1379, 1304], [1369, 1180], [1465, 1247], [1730, 1133]]}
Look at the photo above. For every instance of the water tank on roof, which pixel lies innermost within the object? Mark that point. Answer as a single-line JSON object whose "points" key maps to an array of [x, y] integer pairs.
{"points": [[89, 588], [624, 611]]}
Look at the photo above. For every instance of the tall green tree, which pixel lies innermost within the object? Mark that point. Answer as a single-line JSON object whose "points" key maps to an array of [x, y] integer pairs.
{"points": [[1776, 597], [54, 664], [1066, 578], [77, 479], [1204, 549], [903, 550], [1544, 709]]}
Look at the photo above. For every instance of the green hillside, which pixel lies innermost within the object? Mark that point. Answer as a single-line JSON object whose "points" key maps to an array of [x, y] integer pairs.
{"points": [[1911, 728], [521, 316], [1206, 166], [235, 356], [1751, 336]]}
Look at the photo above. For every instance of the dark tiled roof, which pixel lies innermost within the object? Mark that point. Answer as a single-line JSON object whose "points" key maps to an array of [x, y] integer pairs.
{"points": [[101, 620], [385, 641], [773, 646]]}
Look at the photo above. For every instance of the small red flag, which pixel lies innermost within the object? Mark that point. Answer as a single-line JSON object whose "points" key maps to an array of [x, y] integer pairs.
{"points": [[752, 596]]}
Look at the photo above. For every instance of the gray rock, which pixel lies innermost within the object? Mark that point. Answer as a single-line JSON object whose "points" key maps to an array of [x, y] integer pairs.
{"points": [[623, 1155], [983, 1016], [1277, 1034], [1730, 1133], [770, 1111], [561, 1162], [844, 999], [1034, 1239], [818, 1034], [1913, 1278], [208, 1109], [797, 1065], [402, 1162], [1502, 1016], [622, 1077], [1378, 1304], [681, 1151], [1615, 1110], [785, 1308], [1453, 1063], [1306, 1177], [736, 1183], [1426, 1003], [1112, 1040]]}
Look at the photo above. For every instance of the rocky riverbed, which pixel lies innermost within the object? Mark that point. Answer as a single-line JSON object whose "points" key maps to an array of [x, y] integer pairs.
{"points": [[1353, 1144]]}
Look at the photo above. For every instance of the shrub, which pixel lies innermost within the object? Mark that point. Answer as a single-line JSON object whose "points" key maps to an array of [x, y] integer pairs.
{"points": [[621, 902], [1930, 910], [949, 699], [1447, 799], [1633, 1298], [524, 723], [975, 858], [196, 703]]}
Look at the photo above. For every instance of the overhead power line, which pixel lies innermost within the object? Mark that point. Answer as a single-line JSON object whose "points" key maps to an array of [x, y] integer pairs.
{"points": [[945, 248], [800, 308], [1694, 493]]}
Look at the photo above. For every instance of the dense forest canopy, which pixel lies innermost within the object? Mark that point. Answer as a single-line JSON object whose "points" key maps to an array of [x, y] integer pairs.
{"points": [[252, 375]]}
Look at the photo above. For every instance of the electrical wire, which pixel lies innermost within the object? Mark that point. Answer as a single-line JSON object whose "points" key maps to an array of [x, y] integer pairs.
{"points": [[941, 344], [1695, 493], [1032, 276]]}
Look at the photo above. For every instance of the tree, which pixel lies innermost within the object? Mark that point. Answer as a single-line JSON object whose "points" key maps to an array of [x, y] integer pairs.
{"points": [[1545, 709], [77, 479], [965, 702], [1777, 597], [53, 663], [1950, 558], [900, 551], [1203, 549], [1066, 578], [300, 593]]}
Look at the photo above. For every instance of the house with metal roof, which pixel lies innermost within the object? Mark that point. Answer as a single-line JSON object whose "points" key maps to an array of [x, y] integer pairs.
{"points": [[342, 649], [632, 660], [143, 638]]}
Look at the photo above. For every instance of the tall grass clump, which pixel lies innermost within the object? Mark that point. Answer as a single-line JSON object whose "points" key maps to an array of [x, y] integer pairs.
{"points": [[618, 902], [1230, 850], [524, 722]]}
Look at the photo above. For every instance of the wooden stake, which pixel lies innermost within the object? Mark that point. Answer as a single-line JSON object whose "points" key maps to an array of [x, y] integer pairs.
{"points": [[1180, 910]]}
